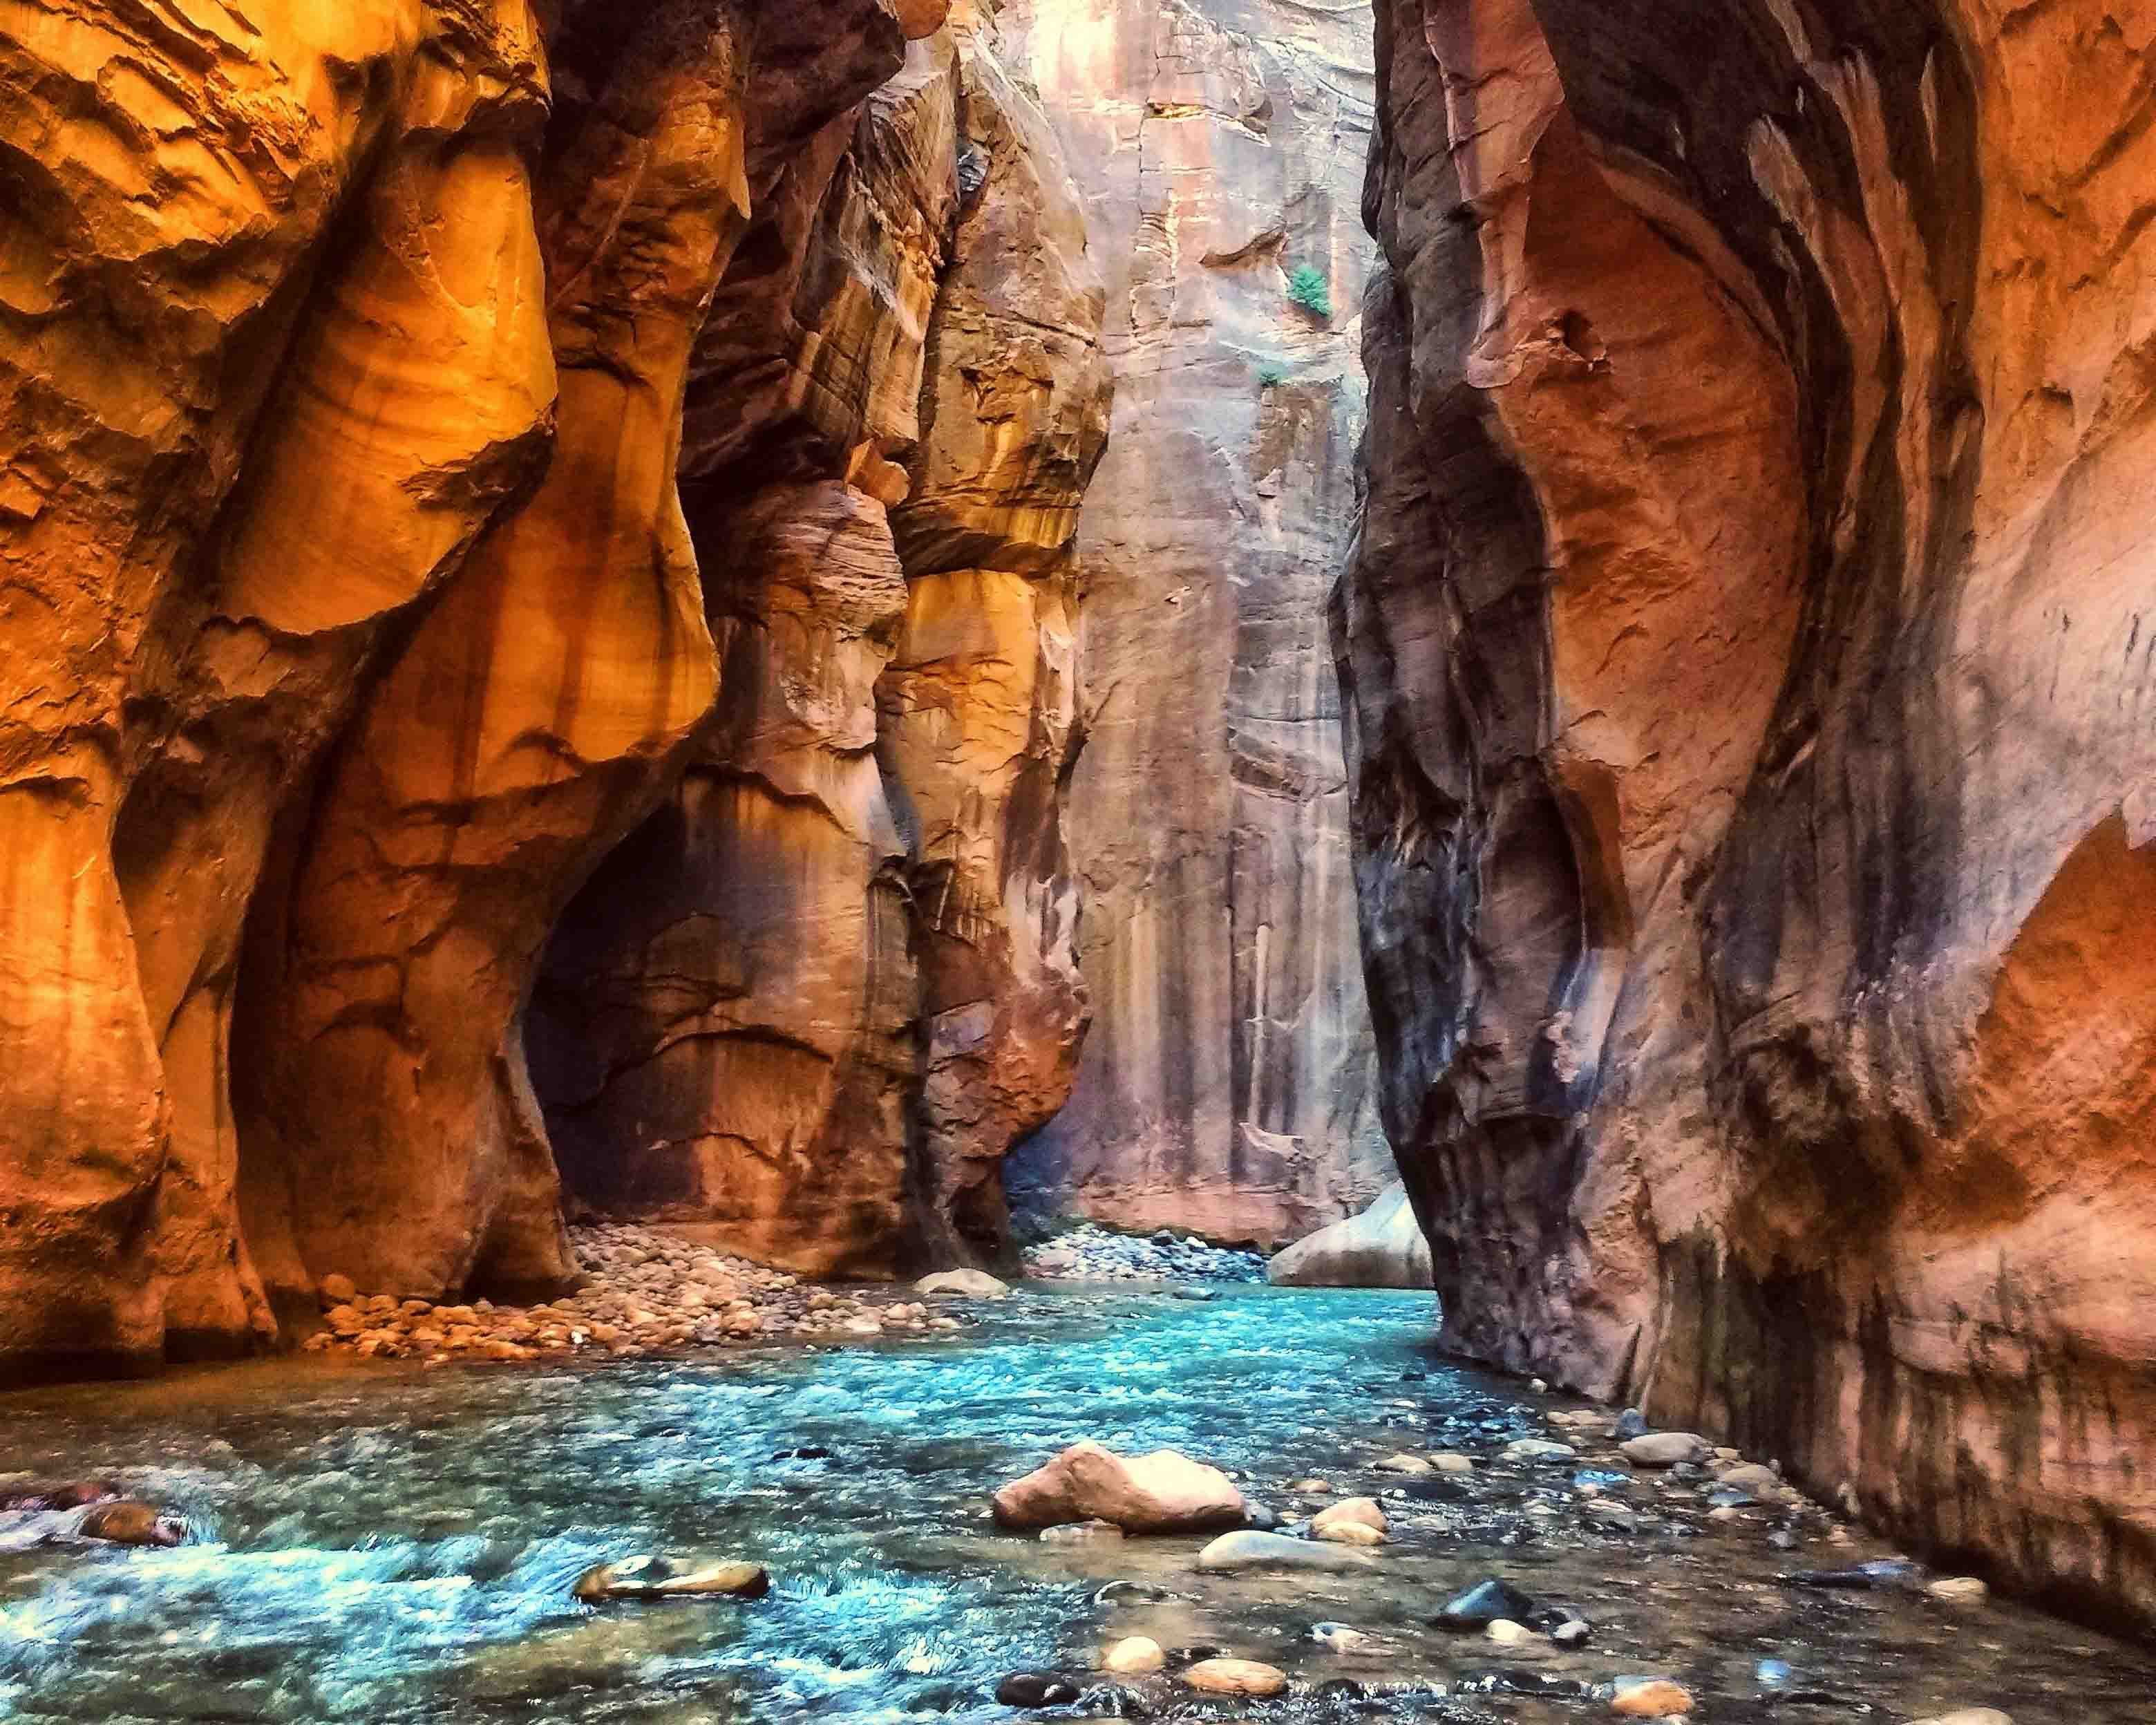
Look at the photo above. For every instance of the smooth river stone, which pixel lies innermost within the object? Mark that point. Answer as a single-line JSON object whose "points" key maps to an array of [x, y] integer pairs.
{"points": [[1163, 1492], [653, 1578], [1252, 1550], [1235, 1677]]}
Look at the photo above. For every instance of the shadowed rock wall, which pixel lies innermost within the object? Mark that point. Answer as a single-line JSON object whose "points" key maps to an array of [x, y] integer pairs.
{"points": [[1747, 650], [1228, 1082]]}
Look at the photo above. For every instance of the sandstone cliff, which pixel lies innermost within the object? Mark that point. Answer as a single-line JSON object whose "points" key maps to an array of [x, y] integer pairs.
{"points": [[1748, 644], [354, 613], [1227, 1081], [810, 1004]]}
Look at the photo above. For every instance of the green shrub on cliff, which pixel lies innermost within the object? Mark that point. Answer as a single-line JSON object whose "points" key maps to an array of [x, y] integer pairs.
{"points": [[1307, 287]]}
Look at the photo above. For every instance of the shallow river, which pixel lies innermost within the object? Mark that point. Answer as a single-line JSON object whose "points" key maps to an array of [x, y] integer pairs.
{"points": [[392, 1544]]}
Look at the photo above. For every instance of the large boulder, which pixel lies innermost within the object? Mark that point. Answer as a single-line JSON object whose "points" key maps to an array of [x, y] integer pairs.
{"points": [[1164, 1492], [1382, 1248]]}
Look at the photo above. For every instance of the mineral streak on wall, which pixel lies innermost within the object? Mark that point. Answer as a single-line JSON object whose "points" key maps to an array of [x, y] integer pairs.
{"points": [[1227, 1084]]}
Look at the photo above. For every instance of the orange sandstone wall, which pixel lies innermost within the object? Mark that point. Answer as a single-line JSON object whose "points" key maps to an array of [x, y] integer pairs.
{"points": [[374, 558]]}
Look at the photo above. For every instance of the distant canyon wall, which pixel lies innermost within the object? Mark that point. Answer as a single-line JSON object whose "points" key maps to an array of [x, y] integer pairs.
{"points": [[1227, 1084], [442, 443], [1749, 651]]}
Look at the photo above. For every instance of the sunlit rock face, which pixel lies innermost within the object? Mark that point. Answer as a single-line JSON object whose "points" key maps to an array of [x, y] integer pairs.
{"points": [[812, 1001], [1748, 650], [1227, 1084], [353, 614]]}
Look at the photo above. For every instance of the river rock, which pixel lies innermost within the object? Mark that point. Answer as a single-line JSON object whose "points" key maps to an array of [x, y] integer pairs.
{"points": [[1969, 1716], [1451, 1463], [1364, 1511], [1082, 1534], [1235, 1677], [1162, 1492], [1251, 1550], [74, 1494], [1538, 1450], [658, 1578], [1959, 1589], [1665, 1449], [1135, 1655], [1340, 1637], [1384, 1247], [1348, 1534], [1483, 1604], [963, 1284], [1650, 1698], [1752, 1479], [1506, 1633], [1876, 1575], [1404, 1463], [128, 1522], [1037, 1689]]}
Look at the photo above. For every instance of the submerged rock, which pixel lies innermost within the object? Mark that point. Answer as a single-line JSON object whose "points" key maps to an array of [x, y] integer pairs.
{"points": [[1037, 1689], [127, 1522], [1081, 1533], [1163, 1492], [657, 1577], [1879, 1575], [1252, 1550], [74, 1494]]}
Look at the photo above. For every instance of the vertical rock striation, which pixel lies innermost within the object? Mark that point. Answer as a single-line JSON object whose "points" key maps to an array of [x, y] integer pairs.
{"points": [[1748, 648], [1227, 1084], [809, 1005], [431, 429]]}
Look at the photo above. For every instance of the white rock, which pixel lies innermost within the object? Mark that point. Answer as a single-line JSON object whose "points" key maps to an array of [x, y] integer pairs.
{"points": [[1135, 1655], [965, 1284]]}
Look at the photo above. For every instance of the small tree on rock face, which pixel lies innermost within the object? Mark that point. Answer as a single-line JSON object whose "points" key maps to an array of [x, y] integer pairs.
{"points": [[1307, 287]]}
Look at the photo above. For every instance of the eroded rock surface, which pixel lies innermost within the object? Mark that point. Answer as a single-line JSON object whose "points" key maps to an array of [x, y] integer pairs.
{"points": [[1227, 1083], [811, 1004], [1747, 649], [430, 429]]}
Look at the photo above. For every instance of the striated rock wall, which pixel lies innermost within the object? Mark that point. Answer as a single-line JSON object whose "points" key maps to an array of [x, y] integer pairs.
{"points": [[1747, 645], [815, 1000], [428, 432], [1228, 1082]]}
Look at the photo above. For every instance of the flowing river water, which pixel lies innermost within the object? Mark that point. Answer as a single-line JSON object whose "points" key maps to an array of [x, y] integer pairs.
{"points": [[392, 1544]]}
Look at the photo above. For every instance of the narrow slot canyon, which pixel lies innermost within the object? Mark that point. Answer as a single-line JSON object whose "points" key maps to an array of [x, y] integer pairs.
{"points": [[959, 859]]}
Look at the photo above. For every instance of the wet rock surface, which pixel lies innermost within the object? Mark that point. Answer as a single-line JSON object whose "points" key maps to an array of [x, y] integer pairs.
{"points": [[1744, 653], [395, 1543]]}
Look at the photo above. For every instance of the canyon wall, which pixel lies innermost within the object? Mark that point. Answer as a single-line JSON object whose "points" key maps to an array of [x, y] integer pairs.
{"points": [[1227, 1083], [806, 1009], [431, 430], [1748, 652]]}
